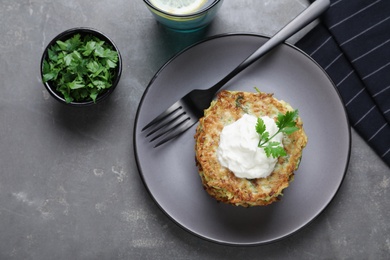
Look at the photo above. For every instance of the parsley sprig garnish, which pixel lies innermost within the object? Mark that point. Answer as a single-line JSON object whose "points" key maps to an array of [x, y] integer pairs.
{"points": [[81, 67], [286, 124]]}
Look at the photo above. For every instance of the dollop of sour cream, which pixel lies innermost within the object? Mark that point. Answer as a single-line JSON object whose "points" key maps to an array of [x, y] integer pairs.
{"points": [[238, 148]]}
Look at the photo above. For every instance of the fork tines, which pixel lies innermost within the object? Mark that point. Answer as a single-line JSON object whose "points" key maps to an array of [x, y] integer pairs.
{"points": [[168, 125]]}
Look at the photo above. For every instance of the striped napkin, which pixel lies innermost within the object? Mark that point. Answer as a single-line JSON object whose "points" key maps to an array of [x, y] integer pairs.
{"points": [[352, 44]]}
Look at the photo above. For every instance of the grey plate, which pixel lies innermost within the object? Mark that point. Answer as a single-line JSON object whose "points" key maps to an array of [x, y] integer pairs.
{"points": [[169, 172]]}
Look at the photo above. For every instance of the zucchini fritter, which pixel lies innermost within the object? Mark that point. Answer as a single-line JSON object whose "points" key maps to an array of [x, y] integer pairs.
{"points": [[220, 182]]}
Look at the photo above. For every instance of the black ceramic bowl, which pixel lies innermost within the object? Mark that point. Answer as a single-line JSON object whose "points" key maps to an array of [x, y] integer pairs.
{"points": [[83, 31]]}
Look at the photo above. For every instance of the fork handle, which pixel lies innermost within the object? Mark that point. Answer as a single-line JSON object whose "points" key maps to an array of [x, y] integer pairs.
{"points": [[304, 18]]}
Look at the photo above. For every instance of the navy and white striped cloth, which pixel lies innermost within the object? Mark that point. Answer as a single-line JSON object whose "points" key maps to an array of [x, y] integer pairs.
{"points": [[352, 43]]}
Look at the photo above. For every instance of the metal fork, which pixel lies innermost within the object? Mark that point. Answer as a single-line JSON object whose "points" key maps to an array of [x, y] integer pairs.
{"points": [[186, 112]]}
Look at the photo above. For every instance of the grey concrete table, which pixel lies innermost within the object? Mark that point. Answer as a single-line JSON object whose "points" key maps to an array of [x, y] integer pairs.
{"points": [[69, 185]]}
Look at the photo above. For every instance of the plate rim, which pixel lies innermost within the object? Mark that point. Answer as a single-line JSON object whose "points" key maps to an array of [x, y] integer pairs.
{"points": [[167, 63]]}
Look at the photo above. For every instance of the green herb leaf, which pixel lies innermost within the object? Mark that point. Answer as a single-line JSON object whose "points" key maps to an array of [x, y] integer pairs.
{"points": [[260, 126], [289, 130], [274, 149], [287, 120], [76, 85], [89, 48], [286, 124], [62, 45]]}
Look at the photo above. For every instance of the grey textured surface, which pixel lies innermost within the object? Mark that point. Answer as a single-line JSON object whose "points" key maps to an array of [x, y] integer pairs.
{"points": [[69, 186]]}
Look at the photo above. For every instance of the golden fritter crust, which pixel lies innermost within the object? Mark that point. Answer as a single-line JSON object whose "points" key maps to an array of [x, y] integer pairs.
{"points": [[220, 182]]}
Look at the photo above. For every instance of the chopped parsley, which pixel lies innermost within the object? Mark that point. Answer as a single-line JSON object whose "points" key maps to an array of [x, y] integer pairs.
{"points": [[81, 67]]}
